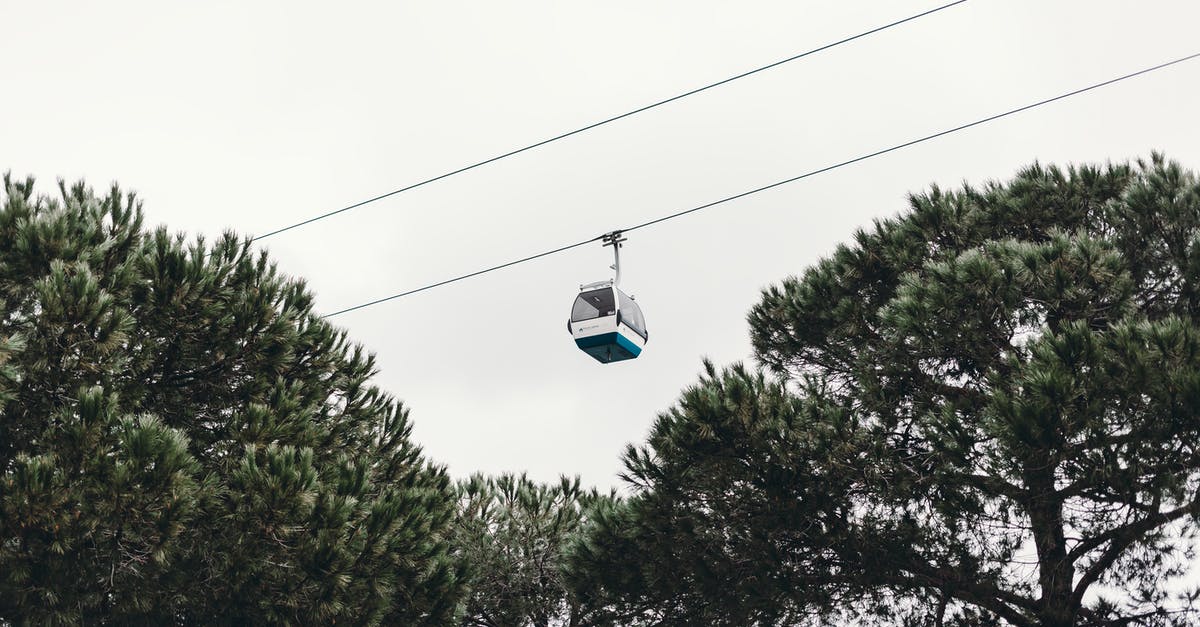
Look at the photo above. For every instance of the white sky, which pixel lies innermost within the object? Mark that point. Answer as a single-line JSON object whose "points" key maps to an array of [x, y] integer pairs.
{"points": [[251, 116]]}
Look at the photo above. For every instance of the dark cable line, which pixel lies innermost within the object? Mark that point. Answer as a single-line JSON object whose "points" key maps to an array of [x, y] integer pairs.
{"points": [[605, 121], [915, 141], [466, 276], [785, 181]]}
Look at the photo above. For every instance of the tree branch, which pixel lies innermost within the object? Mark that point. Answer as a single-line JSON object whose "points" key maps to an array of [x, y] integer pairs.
{"points": [[1121, 538]]}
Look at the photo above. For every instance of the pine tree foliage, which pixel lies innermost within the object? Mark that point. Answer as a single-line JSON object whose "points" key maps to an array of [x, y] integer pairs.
{"points": [[182, 440], [512, 532], [983, 411]]}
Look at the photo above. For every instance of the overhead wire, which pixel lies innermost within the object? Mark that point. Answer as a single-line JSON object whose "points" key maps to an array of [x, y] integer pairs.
{"points": [[467, 276], [793, 179], [906, 144], [605, 121]]}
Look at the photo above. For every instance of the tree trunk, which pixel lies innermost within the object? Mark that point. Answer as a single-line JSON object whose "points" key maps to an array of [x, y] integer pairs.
{"points": [[1056, 574]]}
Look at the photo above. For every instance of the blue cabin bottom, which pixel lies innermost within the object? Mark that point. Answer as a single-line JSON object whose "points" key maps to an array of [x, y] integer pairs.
{"points": [[609, 347]]}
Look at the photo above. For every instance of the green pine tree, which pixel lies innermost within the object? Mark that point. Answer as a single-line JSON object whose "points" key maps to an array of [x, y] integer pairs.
{"points": [[512, 532], [984, 411], [182, 440]]}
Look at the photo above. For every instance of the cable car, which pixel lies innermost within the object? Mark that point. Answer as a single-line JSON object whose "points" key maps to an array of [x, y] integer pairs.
{"points": [[606, 322]]}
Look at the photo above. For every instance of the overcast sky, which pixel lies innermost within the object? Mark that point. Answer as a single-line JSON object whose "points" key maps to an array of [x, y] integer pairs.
{"points": [[251, 116]]}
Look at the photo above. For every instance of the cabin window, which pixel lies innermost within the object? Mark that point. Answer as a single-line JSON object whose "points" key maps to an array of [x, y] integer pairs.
{"points": [[631, 314], [593, 304]]}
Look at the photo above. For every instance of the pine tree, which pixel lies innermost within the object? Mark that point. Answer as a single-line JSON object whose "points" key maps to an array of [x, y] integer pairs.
{"points": [[182, 440], [512, 532], [983, 411]]}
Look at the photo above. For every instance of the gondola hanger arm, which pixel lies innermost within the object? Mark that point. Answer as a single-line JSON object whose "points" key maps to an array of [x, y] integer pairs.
{"points": [[615, 239]]}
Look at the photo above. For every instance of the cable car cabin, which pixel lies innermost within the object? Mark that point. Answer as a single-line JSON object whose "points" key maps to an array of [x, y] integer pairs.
{"points": [[607, 324]]}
